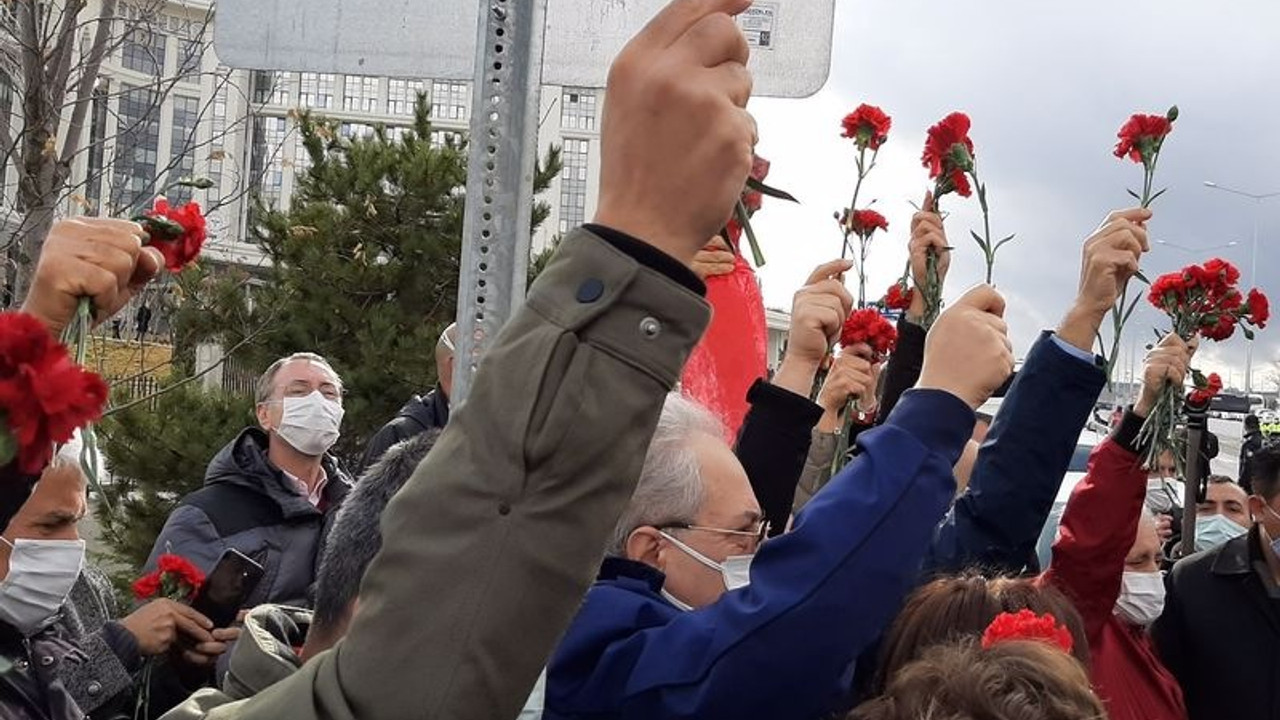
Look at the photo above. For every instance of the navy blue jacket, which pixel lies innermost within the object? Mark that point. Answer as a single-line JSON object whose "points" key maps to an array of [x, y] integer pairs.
{"points": [[995, 524], [784, 646]]}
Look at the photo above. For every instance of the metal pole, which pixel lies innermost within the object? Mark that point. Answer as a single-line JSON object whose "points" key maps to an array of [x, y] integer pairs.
{"points": [[1197, 423], [1253, 282], [502, 150]]}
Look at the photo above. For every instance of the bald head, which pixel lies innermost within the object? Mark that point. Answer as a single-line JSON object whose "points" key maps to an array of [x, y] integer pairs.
{"points": [[444, 358]]}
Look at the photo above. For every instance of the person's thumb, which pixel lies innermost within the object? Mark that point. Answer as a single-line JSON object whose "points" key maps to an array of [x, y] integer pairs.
{"points": [[984, 298]]}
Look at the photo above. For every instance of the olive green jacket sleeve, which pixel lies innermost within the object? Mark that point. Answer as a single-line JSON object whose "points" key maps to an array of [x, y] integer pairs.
{"points": [[493, 542]]}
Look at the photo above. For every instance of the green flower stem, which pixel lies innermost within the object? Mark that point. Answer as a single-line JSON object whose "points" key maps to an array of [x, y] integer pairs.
{"points": [[76, 337], [740, 210], [932, 289], [843, 430]]}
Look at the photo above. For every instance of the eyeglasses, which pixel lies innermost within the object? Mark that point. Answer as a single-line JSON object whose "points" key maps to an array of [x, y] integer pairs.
{"points": [[757, 536]]}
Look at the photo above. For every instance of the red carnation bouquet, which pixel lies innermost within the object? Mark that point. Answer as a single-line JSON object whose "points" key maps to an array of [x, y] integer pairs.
{"points": [[44, 395], [867, 331], [752, 200], [1026, 625], [868, 127], [179, 234], [175, 578], [1200, 300]]}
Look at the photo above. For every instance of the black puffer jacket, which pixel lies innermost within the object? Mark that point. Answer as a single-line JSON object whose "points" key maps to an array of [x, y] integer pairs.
{"points": [[420, 414]]}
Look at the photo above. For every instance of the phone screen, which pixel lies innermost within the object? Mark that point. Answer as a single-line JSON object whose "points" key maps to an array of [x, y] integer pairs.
{"points": [[228, 587]]}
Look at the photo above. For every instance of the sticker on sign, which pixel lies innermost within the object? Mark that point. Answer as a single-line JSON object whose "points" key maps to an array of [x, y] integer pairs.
{"points": [[790, 39], [757, 24]]}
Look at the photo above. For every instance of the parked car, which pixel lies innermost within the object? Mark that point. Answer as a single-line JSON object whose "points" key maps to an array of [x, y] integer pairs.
{"points": [[1089, 439]]}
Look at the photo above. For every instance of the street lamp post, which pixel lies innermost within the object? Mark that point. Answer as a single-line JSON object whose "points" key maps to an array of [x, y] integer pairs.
{"points": [[1258, 199]]}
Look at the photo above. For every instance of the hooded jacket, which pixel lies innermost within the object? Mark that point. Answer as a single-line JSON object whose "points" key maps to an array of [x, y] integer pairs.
{"points": [[250, 505], [420, 414]]}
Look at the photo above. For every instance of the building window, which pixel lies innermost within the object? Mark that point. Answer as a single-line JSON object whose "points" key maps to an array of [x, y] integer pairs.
{"points": [[137, 147], [6, 118], [267, 162], [271, 87], [301, 158], [360, 94], [578, 109], [445, 138], [143, 51], [218, 132], [190, 55], [182, 142], [396, 134], [449, 100], [351, 130], [402, 94], [316, 90], [573, 183]]}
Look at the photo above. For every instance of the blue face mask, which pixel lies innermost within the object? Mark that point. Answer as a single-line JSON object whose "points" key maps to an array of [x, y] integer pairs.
{"points": [[1214, 530], [1275, 544]]}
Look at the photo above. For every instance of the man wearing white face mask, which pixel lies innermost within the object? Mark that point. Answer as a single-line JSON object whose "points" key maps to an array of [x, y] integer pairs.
{"points": [[272, 492], [1107, 560], [1220, 631]]}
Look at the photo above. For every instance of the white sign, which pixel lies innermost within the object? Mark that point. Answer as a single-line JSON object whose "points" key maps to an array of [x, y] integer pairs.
{"points": [[790, 39]]}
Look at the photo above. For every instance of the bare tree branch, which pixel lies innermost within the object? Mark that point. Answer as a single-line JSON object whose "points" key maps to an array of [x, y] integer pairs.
{"points": [[88, 79]]}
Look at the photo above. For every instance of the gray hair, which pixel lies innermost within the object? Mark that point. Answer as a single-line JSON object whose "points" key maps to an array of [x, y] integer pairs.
{"points": [[356, 535], [670, 488], [267, 381]]}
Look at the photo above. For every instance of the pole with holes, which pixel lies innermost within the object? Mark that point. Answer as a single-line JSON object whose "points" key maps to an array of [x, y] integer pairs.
{"points": [[503, 147]]}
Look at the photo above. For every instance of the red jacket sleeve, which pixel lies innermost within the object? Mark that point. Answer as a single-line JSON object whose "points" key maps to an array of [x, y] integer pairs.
{"points": [[1098, 529]]}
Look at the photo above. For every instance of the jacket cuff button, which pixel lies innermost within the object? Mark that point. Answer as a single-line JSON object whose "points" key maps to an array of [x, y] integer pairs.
{"points": [[590, 290]]}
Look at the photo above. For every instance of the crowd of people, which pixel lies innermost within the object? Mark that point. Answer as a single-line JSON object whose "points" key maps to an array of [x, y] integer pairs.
{"points": [[576, 540]]}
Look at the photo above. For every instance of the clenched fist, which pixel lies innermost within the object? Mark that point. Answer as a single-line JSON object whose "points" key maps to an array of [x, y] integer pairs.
{"points": [[95, 257], [676, 140], [1166, 364], [967, 352], [1111, 257], [852, 375], [927, 231], [817, 314]]}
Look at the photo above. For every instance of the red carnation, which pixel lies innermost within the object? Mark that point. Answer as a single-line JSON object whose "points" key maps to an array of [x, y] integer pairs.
{"points": [[868, 126], [1203, 394], [175, 578], [898, 297], [44, 395], [1219, 327], [181, 251], [1259, 308], [1141, 136], [865, 222], [1168, 290], [949, 152], [869, 326], [1026, 625]]}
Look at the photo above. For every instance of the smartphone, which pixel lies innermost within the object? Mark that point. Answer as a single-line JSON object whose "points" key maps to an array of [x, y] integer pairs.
{"points": [[228, 588]]}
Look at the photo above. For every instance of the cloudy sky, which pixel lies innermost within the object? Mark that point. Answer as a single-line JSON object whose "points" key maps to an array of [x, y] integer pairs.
{"points": [[1047, 86]]}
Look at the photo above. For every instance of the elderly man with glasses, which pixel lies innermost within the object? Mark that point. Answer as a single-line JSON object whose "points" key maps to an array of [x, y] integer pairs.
{"points": [[693, 614]]}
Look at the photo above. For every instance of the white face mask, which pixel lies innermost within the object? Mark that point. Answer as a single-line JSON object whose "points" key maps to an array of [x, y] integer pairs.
{"points": [[41, 573], [1214, 530], [310, 423], [1141, 597], [735, 570]]}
